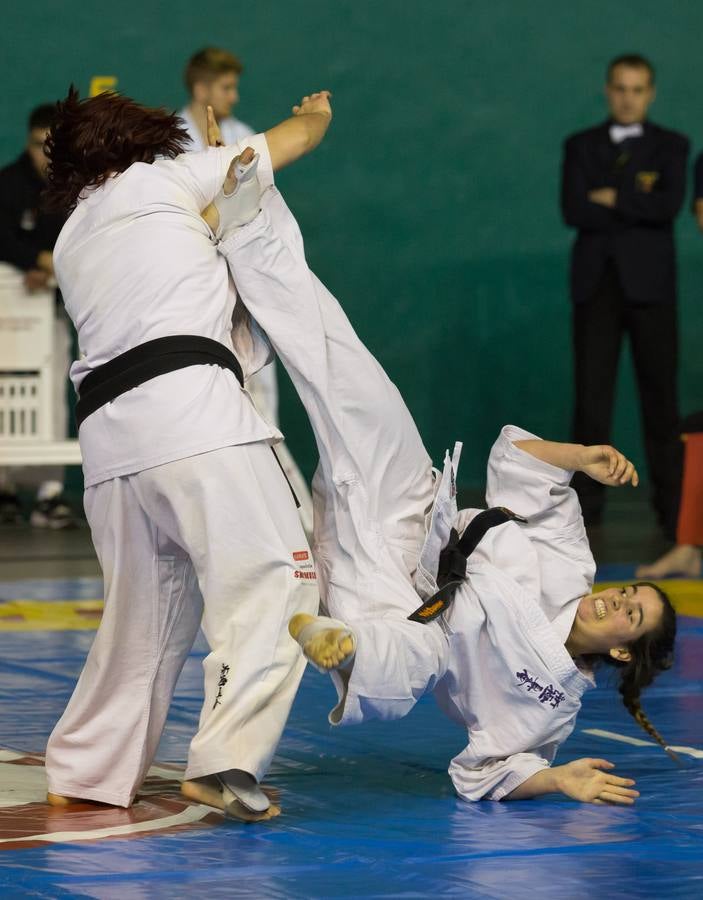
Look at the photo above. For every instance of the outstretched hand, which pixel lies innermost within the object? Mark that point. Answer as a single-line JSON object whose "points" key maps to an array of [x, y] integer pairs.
{"points": [[314, 103], [585, 780], [607, 465]]}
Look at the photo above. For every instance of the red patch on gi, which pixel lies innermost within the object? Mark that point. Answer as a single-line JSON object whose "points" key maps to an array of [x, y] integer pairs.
{"points": [[300, 555], [308, 576]]}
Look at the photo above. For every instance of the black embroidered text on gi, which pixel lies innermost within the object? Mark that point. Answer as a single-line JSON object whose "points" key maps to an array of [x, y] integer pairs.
{"points": [[224, 672], [548, 694]]}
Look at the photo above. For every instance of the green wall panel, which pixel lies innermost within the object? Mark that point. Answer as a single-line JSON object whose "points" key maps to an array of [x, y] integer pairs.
{"points": [[431, 209]]}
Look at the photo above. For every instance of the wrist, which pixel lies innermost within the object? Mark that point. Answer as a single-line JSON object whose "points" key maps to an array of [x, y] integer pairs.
{"points": [[557, 774], [325, 114], [579, 457]]}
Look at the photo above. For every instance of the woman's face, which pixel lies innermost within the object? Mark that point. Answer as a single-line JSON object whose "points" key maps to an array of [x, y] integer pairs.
{"points": [[607, 622]]}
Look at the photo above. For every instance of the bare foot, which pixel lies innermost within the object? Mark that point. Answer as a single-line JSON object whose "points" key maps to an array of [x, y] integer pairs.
{"points": [[209, 791], [61, 801], [327, 648], [210, 213], [682, 559]]}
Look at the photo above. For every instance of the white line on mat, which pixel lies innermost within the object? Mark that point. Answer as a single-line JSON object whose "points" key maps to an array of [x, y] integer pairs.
{"points": [[638, 742]]}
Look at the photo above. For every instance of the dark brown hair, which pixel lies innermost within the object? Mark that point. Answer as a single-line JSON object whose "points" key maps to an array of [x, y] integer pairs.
{"points": [[208, 64], [92, 139], [632, 61], [650, 654]]}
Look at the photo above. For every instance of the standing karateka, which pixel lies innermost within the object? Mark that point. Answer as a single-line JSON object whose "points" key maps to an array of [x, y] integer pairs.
{"points": [[511, 657], [190, 513]]}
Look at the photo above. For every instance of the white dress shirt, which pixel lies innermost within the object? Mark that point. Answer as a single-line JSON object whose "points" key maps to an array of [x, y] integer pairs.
{"points": [[231, 129]]}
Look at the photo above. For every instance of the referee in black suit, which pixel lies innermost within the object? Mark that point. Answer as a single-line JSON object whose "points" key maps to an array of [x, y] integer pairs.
{"points": [[623, 184]]}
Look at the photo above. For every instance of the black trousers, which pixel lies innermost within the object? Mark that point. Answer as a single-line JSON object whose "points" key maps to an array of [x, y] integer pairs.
{"points": [[599, 326]]}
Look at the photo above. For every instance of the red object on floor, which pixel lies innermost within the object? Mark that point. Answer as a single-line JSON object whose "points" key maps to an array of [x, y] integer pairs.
{"points": [[690, 528]]}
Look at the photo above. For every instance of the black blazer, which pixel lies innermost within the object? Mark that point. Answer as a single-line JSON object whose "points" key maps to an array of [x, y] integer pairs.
{"points": [[649, 174], [25, 229]]}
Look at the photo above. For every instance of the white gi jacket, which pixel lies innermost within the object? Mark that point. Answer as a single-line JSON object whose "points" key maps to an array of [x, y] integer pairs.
{"points": [[135, 261], [505, 673]]}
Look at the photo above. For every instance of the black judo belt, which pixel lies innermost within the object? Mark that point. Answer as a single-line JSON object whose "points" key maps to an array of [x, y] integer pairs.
{"points": [[452, 560], [146, 361]]}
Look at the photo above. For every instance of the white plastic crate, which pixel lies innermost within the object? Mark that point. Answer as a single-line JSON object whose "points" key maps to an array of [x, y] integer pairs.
{"points": [[26, 376]]}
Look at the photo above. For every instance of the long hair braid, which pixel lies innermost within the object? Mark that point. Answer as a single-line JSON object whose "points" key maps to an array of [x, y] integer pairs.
{"points": [[634, 707], [650, 654]]}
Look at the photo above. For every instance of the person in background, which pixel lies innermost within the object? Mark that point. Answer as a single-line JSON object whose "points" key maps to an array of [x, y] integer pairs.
{"points": [[623, 184], [212, 80], [685, 558], [27, 238]]}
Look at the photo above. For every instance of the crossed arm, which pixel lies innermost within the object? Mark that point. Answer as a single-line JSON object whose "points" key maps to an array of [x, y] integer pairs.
{"points": [[295, 136], [286, 142], [601, 208]]}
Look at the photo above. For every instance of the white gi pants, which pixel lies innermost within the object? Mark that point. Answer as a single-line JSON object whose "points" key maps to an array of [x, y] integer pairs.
{"points": [[213, 534], [262, 387], [373, 485]]}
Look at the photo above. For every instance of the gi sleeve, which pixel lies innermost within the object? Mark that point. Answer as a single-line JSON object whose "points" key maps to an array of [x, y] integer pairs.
{"points": [[530, 487], [495, 778], [204, 172], [663, 202], [577, 210]]}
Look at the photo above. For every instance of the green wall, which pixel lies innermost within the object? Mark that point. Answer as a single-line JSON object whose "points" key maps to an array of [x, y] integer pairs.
{"points": [[431, 209]]}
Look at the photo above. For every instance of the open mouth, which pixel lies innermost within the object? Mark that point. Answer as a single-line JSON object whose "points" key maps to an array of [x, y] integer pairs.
{"points": [[600, 608]]}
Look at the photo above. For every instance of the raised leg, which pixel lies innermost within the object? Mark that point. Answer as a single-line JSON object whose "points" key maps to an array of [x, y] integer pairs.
{"points": [[364, 431]]}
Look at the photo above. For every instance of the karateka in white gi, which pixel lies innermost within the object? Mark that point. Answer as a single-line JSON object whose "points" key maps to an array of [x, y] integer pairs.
{"points": [[508, 659], [189, 511]]}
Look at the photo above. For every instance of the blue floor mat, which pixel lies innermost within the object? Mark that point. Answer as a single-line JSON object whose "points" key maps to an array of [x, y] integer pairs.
{"points": [[370, 811]]}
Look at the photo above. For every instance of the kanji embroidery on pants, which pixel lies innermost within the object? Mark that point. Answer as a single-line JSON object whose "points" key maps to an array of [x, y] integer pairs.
{"points": [[224, 672]]}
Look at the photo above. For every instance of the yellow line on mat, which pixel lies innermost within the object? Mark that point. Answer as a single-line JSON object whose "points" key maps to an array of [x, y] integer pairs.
{"points": [[54, 615], [84, 615]]}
